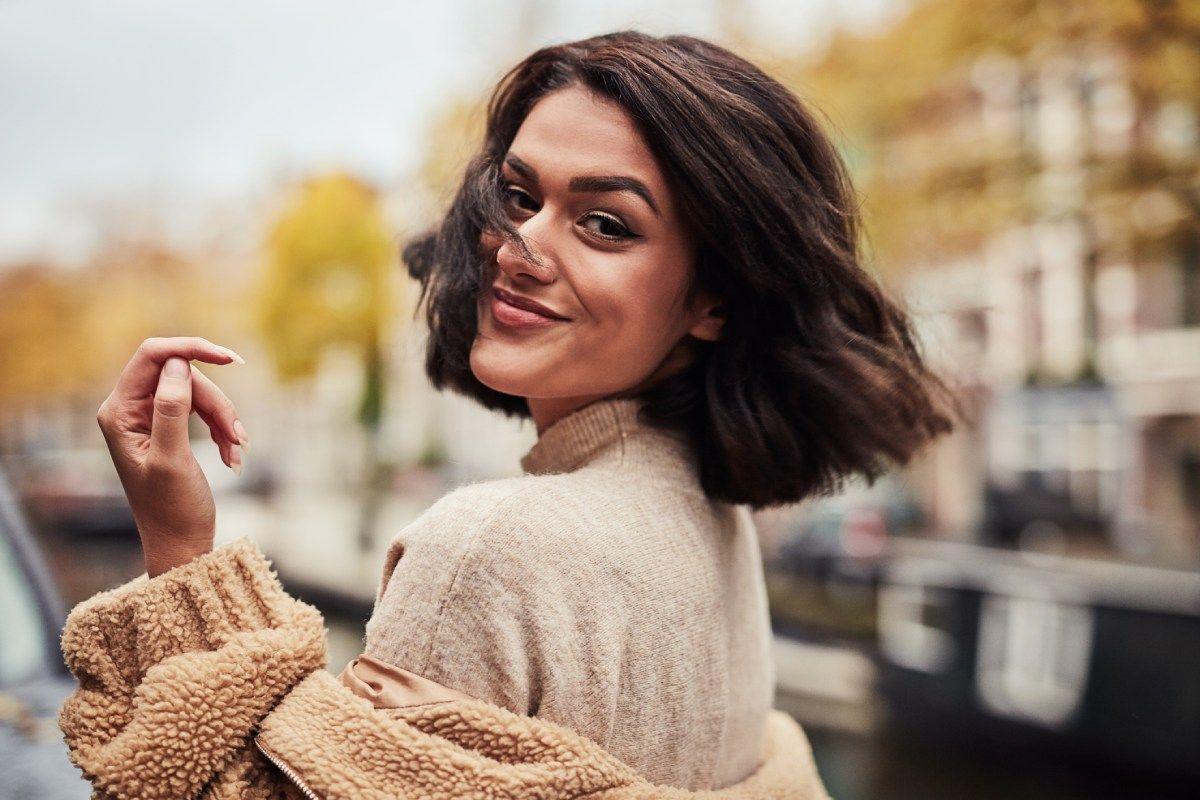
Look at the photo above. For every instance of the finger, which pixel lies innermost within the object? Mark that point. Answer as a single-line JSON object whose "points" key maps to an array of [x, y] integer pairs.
{"points": [[230, 449], [208, 397], [141, 375], [214, 433], [172, 407]]}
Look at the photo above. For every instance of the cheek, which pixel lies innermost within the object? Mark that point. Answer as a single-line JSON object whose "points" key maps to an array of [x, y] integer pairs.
{"points": [[635, 323]]}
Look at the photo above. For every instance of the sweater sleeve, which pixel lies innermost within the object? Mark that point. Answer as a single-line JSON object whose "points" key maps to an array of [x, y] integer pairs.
{"points": [[175, 672]]}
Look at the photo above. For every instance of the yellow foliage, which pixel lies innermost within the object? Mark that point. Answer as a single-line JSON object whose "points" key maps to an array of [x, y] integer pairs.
{"points": [[66, 334], [903, 107], [329, 275], [40, 334]]}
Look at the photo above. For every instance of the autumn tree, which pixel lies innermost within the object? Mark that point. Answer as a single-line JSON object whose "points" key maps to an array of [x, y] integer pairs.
{"points": [[901, 101], [328, 284], [66, 333]]}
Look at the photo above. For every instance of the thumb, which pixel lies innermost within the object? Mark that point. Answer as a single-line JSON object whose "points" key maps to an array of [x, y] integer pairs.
{"points": [[172, 408]]}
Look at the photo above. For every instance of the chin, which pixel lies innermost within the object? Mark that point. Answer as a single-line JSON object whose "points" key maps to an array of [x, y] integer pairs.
{"points": [[503, 372]]}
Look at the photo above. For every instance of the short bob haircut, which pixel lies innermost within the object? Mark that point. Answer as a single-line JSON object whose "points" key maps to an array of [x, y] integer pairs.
{"points": [[816, 375]]}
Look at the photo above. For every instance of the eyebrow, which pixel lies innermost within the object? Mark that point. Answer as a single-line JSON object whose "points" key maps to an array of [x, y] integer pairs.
{"points": [[591, 183]]}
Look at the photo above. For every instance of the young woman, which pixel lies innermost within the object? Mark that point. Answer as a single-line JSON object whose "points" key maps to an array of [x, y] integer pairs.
{"points": [[655, 258]]}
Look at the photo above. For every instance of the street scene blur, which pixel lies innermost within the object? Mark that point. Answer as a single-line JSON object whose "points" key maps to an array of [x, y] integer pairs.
{"points": [[1013, 614]]}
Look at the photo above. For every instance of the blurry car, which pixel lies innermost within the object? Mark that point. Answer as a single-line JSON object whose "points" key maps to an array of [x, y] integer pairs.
{"points": [[845, 535], [822, 576], [837, 539], [841, 539], [33, 679]]}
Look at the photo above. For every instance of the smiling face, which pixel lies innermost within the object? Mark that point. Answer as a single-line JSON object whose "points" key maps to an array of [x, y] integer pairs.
{"points": [[616, 263]]}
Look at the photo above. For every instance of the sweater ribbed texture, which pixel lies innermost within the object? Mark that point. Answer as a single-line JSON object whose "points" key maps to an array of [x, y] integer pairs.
{"points": [[601, 590], [175, 671]]}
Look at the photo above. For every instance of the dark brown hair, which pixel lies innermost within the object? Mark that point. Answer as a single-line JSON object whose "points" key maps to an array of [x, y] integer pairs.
{"points": [[816, 375]]}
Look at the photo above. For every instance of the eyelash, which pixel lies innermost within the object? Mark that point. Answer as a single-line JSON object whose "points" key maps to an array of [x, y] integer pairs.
{"points": [[511, 191]]}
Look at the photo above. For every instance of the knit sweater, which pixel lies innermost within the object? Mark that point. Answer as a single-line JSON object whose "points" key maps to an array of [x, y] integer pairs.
{"points": [[601, 590], [205, 681]]}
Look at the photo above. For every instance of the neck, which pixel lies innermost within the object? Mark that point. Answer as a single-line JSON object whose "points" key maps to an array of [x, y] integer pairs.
{"points": [[608, 433], [546, 411]]}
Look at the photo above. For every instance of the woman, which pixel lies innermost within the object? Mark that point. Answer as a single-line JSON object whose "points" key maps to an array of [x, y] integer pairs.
{"points": [[653, 257]]}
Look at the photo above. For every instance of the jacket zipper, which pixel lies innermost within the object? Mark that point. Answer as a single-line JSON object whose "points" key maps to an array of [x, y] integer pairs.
{"points": [[286, 770]]}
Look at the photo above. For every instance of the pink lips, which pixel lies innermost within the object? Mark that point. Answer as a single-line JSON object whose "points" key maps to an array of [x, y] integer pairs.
{"points": [[513, 316]]}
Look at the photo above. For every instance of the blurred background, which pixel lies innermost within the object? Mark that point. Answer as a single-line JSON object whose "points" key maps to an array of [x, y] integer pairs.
{"points": [[1015, 614]]}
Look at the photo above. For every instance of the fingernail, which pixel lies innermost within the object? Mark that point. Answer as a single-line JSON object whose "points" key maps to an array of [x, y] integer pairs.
{"points": [[240, 430], [176, 367], [235, 456], [234, 355]]}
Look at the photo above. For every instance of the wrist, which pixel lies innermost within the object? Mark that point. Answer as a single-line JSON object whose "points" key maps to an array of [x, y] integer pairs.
{"points": [[165, 556]]}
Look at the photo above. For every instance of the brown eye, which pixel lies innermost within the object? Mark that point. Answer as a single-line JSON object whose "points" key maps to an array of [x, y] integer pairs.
{"points": [[609, 227], [513, 195]]}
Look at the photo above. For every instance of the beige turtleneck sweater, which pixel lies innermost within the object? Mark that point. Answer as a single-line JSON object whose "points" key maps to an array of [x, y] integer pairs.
{"points": [[601, 590]]}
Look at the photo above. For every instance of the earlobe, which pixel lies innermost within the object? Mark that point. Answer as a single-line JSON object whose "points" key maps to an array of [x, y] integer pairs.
{"points": [[710, 324]]}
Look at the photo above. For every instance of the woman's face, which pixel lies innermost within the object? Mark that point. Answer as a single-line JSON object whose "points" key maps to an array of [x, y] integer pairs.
{"points": [[586, 193]]}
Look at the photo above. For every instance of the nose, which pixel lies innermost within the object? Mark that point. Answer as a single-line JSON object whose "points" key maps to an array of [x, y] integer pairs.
{"points": [[510, 260]]}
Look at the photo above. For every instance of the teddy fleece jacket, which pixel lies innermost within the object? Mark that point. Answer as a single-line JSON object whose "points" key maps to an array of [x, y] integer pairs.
{"points": [[208, 681]]}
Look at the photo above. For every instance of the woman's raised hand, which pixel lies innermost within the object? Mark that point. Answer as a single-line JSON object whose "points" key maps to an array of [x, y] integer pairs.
{"points": [[145, 423]]}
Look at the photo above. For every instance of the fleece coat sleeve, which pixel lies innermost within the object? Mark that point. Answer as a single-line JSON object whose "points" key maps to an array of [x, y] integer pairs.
{"points": [[175, 673]]}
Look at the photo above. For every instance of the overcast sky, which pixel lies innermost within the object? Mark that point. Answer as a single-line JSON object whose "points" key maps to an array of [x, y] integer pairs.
{"points": [[207, 99]]}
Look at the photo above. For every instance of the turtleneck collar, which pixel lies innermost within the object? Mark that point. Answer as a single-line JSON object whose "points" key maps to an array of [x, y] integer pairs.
{"points": [[608, 430]]}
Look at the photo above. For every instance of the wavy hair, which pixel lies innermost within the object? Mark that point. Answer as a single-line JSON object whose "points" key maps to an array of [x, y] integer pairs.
{"points": [[816, 375]]}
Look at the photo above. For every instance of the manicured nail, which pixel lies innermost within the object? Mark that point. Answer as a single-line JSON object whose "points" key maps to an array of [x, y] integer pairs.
{"points": [[235, 456], [244, 439], [234, 355]]}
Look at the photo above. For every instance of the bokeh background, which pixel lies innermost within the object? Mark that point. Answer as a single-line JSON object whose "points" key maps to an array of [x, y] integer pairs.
{"points": [[1015, 613]]}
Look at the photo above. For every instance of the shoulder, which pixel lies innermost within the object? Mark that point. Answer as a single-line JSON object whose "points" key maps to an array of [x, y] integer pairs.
{"points": [[539, 527], [468, 518], [546, 503], [480, 501]]}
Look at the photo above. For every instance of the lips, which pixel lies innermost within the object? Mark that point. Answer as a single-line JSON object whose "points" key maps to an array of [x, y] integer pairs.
{"points": [[509, 317], [525, 303]]}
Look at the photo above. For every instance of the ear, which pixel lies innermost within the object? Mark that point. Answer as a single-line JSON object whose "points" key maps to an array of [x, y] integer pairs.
{"points": [[709, 318]]}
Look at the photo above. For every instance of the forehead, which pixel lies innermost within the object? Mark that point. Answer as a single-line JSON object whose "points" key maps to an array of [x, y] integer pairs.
{"points": [[575, 131]]}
